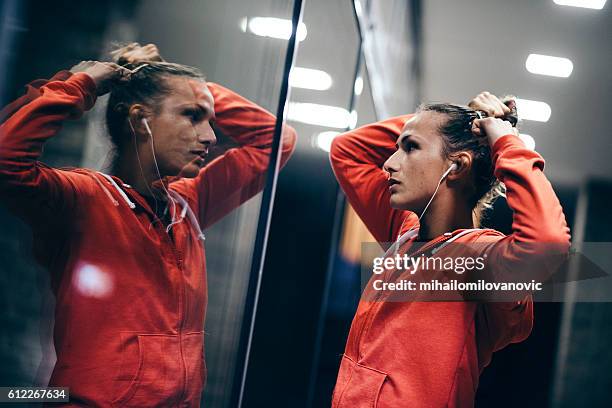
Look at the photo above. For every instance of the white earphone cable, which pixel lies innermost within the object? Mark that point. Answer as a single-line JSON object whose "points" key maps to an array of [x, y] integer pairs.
{"points": [[399, 234], [173, 220]]}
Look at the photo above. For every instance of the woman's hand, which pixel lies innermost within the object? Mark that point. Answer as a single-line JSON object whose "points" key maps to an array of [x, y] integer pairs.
{"points": [[493, 128], [102, 73], [491, 104], [134, 53]]}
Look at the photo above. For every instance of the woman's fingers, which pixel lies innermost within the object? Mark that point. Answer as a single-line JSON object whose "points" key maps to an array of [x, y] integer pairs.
{"points": [[493, 128], [135, 53], [497, 106], [490, 104]]}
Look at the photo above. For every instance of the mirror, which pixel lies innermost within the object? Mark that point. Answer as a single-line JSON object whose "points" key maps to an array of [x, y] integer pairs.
{"points": [[131, 281]]}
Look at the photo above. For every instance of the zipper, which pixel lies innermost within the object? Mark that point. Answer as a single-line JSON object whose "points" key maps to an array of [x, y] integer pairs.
{"points": [[179, 263], [369, 317]]}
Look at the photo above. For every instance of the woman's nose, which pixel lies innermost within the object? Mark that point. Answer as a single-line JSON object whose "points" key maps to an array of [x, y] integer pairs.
{"points": [[207, 136], [208, 140], [390, 165]]}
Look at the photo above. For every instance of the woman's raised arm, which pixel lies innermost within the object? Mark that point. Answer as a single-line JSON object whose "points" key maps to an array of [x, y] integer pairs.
{"points": [[357, 158]]}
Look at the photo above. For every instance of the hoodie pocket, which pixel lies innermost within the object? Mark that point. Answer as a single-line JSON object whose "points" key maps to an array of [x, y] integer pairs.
{"points": [[357, 386], [193, 350], [150, 374]]}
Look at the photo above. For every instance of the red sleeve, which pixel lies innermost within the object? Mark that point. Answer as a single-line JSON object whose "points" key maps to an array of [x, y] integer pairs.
{"points": [[239, 174], [26, 185], [538, 244], [32, 92], [357, 158], [540, 237], [499, 324]]}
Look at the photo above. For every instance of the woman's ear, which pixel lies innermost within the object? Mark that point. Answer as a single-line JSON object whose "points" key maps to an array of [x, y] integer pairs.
{"points": [[463, 161], [135, 117]]}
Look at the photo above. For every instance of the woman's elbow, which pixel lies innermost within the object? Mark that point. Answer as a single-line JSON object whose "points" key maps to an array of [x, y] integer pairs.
{"points": [[337, 150], [289, 140]]}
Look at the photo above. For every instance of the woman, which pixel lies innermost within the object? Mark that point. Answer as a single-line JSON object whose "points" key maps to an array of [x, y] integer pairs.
{"points": [[125, 251], [430, 354]]}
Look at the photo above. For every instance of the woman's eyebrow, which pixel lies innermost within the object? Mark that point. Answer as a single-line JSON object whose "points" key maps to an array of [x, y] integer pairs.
{"points": [[402, 137], [194, 105]]}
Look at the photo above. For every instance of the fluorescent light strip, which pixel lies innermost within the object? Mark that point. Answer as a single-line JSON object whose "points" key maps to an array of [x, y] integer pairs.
{"points": [[358, 89], [591, 4], [548, 65], [533, 110], [322, 115], [324, 140], [307, 78], [528, 140], [273, 27]]}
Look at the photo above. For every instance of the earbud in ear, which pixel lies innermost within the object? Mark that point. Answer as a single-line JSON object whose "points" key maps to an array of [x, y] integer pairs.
{"points": [[452, 167], [146, 125]]}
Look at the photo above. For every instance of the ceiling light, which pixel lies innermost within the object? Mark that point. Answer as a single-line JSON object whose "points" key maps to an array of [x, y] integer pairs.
{"points": [[322, 115], [547, 65], [310, 79], [275, 28], [592, 4], [358, 85], [324, 140], [528, 140], [533, 110]]}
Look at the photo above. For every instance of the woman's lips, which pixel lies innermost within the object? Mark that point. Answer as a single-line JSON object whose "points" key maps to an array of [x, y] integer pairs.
{"points": [[200, 156], [393, 183]]}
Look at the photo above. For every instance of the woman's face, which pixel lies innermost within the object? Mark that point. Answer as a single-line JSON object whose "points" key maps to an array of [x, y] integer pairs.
{"points": [[181, 129], [417, 165]]}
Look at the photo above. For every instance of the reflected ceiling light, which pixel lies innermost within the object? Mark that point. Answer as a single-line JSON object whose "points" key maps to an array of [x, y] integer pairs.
{"points": [[91, 281], [592, 4], [528, 140], [358, 85], [358, 8], [274, 28], [322, 115], [324, 140], [547, 65], [310, 79], [353, 119], [533, 110]]}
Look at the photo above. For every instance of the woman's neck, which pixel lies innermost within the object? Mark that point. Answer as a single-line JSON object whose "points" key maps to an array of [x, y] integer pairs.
{"points": [[128, 168], [444, 216]]}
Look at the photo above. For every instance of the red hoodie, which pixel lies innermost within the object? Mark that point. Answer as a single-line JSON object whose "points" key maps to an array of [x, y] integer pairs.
{"points": [[131, 298], [430, 354]]}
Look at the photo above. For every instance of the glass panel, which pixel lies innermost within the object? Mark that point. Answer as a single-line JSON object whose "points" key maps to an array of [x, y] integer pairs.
{"points": [[130, 283], [285, 334]]}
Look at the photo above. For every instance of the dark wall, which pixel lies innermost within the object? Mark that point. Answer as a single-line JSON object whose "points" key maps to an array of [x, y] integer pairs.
{"points": [[46, 37], [292, 286]]}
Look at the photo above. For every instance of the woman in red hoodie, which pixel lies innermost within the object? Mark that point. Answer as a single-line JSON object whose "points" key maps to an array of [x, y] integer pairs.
{"points": [[430, 354], [125, 252]]}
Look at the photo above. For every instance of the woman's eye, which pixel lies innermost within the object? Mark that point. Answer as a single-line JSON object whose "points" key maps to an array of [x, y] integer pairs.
{"points": [[193, 115], [411, 146]]}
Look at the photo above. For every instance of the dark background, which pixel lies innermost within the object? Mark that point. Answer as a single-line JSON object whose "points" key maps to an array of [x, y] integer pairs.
{"points": [[300, 329]]}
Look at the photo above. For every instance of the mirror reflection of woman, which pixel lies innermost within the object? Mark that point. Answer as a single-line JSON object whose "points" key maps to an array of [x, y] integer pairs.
{"points": [[444, 163], [125, 251]]}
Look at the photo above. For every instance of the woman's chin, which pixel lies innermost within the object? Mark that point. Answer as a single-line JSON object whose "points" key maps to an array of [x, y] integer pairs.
{"points": [[395, 202], [191, 170]]}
